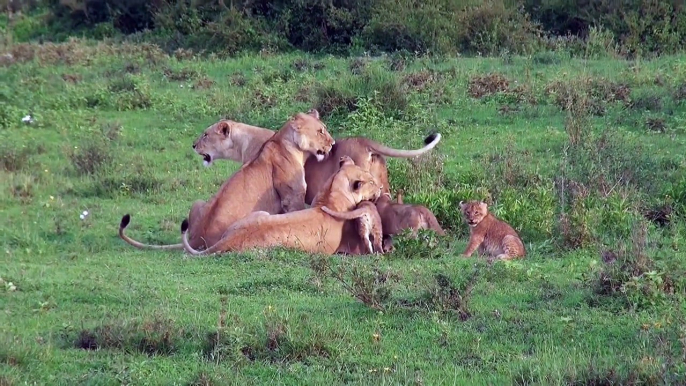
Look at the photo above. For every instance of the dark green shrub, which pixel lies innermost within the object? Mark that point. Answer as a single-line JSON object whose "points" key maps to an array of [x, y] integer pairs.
{"points": [[640, 26], [127, 16]]}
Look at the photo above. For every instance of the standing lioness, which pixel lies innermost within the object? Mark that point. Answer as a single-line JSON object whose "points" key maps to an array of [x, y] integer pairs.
{"points": [[310, 230], [238, 142], [273, 182]]}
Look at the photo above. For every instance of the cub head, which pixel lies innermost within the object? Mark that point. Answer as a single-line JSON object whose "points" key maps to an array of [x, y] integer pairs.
{"points": [[345, 161], [384, 198], [309, 134], [215, 142], [473, 212]]}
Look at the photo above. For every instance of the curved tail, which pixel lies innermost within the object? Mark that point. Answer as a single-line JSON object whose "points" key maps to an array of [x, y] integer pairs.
{"points": [[125, 222], [431, 141], [216, 248], [184, 240], [350, 215]]}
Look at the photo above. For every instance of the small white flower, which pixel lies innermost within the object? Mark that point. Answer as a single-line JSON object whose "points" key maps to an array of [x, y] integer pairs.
{"points": [[27, 119], [181, 85], [85, 213], [82, 217]]}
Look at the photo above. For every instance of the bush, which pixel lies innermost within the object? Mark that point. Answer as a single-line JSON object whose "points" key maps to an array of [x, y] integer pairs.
{"points": [[127, 16], [91, 157], [631, 274], [449, 27], [640, 26], [377, 92]]}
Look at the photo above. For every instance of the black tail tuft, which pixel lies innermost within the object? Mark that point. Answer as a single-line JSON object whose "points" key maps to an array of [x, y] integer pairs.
{"points": [[430, 138], [125, 221], [184, 225]]}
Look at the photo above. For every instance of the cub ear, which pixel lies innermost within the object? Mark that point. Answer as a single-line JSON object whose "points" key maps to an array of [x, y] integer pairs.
{"points": [[223, 128], [345, 160], [357, 185], [484, 206], [462, 204], [313, 112]]}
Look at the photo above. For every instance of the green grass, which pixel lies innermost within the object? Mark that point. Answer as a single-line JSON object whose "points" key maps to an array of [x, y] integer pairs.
{"points": [[116, 136]]}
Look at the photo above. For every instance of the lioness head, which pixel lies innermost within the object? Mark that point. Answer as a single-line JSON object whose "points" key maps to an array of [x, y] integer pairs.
{"points": [[473, 212], [361, 184], [309, 134], [214, 141]]}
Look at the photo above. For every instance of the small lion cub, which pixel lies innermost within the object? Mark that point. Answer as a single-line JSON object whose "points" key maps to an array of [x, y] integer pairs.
{"points": [[369, 228], [397, 216], [493, 237]]}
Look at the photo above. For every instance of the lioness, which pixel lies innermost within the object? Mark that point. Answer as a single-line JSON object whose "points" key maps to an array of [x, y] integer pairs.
{"points": [[238, 142], [493, 237], [310, 230], [273, 182]]}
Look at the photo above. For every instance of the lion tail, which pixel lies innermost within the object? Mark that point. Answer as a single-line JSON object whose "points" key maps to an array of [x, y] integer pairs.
{"points": [[350, 215], [125, 222], [431, 141]]}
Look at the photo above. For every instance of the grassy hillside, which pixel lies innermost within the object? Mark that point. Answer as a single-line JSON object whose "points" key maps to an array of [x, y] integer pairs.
{"points": [[583, 157]]}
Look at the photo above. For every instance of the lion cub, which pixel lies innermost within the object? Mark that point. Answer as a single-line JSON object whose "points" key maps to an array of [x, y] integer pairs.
{"points": [[493, 237], [396, 216], [370, 229]]}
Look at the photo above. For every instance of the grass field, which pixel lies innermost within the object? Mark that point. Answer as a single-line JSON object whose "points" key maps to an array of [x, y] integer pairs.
{"points": [[585, 158]]}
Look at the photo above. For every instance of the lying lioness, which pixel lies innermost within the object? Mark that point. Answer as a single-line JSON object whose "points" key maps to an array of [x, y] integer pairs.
{"points": [[273, 182], [310, 230], [238, 142]]}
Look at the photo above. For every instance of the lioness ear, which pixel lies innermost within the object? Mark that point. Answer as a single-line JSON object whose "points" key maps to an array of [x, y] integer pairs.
{"points": [[224, 128], [314, 113], [357, 185]]}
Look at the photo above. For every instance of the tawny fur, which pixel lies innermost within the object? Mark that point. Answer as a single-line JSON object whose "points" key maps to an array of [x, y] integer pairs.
{"points": [[396, 217], [309, 230], [493, 237], [216, 144], [368, 224], [399, 196], [273, 182]]}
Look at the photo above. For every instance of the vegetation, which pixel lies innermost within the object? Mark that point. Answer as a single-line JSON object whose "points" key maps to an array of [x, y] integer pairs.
{"points": [[579, 148], [628, 27]]}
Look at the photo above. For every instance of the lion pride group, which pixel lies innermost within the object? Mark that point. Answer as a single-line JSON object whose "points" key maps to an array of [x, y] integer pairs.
{"points": [[344, 181]]}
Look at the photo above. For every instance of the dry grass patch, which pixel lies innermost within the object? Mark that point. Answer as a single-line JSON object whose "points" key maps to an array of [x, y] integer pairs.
{"points": [[485, 85]]}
